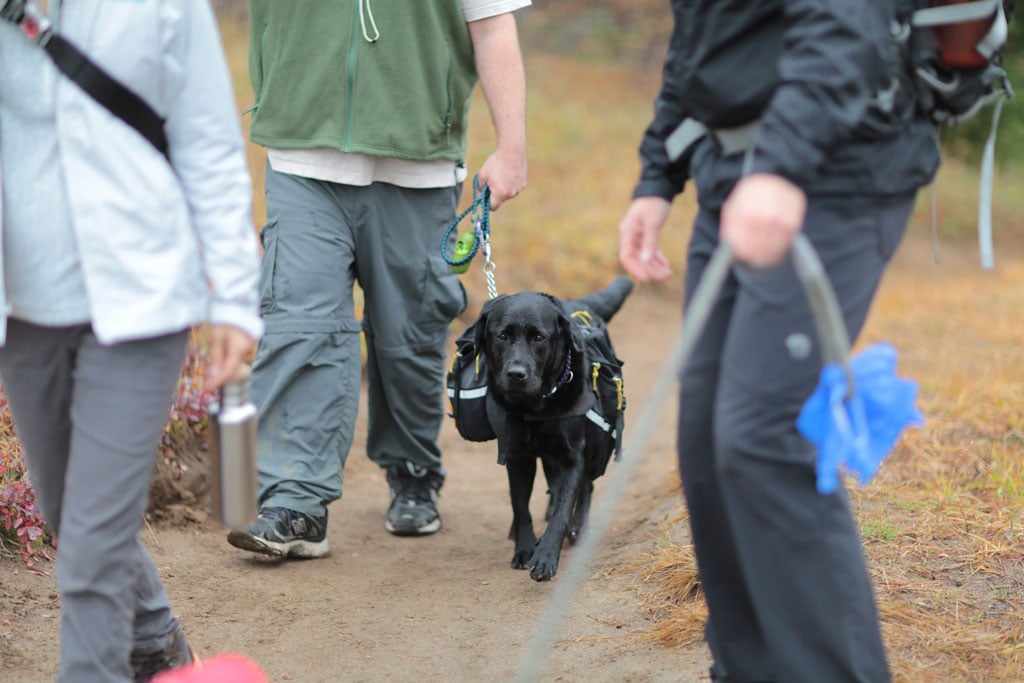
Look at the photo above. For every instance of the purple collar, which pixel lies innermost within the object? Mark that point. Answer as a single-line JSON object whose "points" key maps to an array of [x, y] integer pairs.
{"points": [[566, 375]]}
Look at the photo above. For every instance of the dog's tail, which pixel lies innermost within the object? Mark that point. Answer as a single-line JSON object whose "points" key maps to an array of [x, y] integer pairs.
{"points": [[607, 302]]}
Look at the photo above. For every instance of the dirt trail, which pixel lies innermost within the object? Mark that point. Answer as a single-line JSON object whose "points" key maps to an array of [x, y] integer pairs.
{"points": [[441, 608]]}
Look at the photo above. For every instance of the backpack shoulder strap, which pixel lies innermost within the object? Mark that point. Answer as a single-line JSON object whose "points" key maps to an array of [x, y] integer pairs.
{"points": [[90, 77], [108, 91]]}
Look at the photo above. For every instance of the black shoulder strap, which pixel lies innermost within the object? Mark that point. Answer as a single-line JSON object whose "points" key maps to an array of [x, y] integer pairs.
{"points": [[108, 91]]}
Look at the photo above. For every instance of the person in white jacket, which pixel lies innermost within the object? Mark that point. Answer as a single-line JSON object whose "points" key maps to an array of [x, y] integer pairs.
{"points": [[111, 253]]}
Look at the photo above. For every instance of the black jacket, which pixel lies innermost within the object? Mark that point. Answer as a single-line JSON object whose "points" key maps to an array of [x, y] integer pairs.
{"points": [[809, 69]]}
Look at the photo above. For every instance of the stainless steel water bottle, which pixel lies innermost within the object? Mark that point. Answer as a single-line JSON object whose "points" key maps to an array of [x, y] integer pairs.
{"points": [[233, 453]]}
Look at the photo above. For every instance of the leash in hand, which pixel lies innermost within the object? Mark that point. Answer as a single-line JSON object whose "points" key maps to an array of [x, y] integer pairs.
{"points": [[477, 238]]}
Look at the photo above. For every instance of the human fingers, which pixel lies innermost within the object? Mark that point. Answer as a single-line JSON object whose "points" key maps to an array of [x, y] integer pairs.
{"points": [[761, 217], [639, 233], [504, 177], [229, 347]]}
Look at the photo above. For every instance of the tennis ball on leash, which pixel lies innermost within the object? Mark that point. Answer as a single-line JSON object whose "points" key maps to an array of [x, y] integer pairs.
{"points": [[463, 248]]}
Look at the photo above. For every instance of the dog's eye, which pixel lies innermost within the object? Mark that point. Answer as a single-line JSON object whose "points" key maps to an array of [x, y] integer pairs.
{"points": [[539, 337], [502, 336]]}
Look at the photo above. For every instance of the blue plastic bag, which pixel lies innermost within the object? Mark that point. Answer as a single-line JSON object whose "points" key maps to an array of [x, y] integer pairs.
{"points": [[856, 433]]}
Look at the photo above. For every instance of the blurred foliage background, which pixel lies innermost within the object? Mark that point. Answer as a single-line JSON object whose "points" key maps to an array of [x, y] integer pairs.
{"points": [[593, 71], [634, 34]]}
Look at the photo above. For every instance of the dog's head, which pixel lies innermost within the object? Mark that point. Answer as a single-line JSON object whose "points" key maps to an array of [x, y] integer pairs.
{"points": [[526, 338]]}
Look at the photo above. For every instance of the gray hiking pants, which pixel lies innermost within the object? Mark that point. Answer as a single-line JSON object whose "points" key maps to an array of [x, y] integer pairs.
{"points": [[319, 240], [782, 566], [89, 418]]}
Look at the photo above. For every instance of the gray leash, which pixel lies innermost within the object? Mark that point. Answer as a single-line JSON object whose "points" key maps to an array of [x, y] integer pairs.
{"points": [[835, 349]]}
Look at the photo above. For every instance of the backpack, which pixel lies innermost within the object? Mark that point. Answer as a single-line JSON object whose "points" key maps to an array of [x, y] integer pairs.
{"points": [[946, 67], [954, 51], [467, 389]]}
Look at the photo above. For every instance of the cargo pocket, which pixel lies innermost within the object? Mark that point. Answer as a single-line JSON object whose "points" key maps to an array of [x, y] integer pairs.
{"points": [[268, 239], [442, 301]]}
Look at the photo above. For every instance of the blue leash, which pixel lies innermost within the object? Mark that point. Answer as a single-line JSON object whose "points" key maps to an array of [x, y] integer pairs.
{"points": [[469, 241]]}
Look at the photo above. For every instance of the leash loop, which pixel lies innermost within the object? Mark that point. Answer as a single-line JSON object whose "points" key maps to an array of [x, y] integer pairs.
{"points": [[481, 218], [471, 241]]}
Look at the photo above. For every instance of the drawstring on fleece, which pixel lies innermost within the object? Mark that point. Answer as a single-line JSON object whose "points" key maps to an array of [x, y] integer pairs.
{"points": [[365, 5]]}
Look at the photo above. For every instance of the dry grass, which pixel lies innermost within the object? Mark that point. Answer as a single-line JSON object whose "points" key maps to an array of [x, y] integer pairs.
{"points": [[942, 520]]}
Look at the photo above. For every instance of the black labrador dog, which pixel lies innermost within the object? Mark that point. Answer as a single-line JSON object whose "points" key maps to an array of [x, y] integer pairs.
{"points": [[543, 402]]}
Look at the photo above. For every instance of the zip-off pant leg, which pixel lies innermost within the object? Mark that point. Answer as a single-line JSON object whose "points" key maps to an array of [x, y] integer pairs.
{"points": [[321, 238], [306, 374], [90, 417], [783, 568], [412, 296]]}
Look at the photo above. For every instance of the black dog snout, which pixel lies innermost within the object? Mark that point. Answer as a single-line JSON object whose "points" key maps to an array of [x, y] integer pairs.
{"points": [[516, 373]]}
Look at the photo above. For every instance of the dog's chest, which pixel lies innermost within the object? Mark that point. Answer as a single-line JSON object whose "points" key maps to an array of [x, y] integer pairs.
{"points": [[527, 438]]}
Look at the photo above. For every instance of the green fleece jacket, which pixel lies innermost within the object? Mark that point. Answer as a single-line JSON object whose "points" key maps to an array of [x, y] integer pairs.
{"points": [[323, 77]]}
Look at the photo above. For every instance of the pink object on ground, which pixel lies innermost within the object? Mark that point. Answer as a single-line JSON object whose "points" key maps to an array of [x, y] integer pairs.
{"points": [[225, 668]]}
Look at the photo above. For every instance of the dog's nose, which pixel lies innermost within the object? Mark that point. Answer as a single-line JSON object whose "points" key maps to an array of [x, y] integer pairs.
{"points": [[516, 373]]}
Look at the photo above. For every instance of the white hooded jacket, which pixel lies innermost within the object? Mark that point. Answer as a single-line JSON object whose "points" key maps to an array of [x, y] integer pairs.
{"points": [[161, 248]]}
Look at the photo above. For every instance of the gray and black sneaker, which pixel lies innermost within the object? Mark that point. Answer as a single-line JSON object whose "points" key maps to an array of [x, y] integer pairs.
{"points": [[413, 510], [280, 532], [175, 654]]}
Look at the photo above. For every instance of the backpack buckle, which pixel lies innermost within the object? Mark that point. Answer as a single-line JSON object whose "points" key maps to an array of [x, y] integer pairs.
{"points": [[32, 21]]}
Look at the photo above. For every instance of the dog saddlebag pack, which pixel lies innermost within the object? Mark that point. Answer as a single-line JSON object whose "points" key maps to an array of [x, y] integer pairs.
{"points": [[467, 389], [605, 380]]}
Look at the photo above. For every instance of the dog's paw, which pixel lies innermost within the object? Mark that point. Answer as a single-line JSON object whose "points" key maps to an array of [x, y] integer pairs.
{"points": [[543, 569], [521, 558]]}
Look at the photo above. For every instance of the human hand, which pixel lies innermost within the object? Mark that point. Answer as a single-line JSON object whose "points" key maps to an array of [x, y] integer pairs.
{"points": [[760, 218], [504, 174], [229, 347], [638, 239]]}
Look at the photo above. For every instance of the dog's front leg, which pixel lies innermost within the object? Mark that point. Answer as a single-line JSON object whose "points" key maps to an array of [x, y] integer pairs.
{"points": [[545, 558], [521, 473], [580, 512]]}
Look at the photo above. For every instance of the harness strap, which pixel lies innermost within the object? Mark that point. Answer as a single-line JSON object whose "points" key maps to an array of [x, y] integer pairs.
{"points": [[685, 136], [955, 14], [582, 406], [730, 140], [985, 192]]}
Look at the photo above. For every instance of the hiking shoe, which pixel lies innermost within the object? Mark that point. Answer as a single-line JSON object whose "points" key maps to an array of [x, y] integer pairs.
{"points": [[280, 532], [413, 510], [175, 654]]}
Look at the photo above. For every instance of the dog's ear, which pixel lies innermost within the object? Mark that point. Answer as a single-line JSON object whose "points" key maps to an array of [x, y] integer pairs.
{"points": [[568, 331], [486, 310], [565, 325]]}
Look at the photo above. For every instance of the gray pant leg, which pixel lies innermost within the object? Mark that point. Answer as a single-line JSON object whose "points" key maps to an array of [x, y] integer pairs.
{"points": [[411, 298], [307, 368], [771, 546], [732, 631], [90, 417]]}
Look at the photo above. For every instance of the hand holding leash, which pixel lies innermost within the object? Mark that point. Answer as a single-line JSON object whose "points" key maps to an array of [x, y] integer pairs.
{"points": [[760, 218], [477, 238]]}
